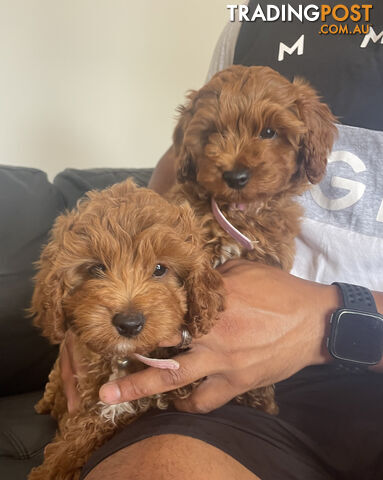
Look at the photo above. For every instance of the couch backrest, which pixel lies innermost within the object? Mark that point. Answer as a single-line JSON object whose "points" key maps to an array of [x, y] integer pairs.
{"points": [[29, 203]]}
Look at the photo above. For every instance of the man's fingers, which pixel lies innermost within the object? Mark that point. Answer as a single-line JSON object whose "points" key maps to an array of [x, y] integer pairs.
{"points": [[193, 366], [214, 392]]}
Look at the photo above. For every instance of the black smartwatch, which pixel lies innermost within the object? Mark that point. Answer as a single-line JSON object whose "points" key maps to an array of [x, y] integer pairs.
{"points": [[356, 336]]}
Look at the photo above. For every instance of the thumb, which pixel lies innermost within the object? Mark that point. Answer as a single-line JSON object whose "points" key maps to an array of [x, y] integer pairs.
{"points": [[212, 393]]}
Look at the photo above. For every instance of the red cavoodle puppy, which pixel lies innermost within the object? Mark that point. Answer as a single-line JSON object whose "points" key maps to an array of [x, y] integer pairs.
{"points": [[124, 271], [246, 145]]}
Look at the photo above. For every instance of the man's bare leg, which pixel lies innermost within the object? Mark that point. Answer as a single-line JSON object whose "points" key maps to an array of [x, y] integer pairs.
{"points": [[170, 457]]}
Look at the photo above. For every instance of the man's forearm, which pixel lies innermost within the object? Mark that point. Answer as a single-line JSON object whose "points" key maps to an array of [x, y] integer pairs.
{"points": [[378, 296], [164, 175]]}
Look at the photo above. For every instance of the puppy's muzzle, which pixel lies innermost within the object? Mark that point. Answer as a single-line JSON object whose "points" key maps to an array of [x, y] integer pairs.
{"points": [[129, 324], [236, 178]]}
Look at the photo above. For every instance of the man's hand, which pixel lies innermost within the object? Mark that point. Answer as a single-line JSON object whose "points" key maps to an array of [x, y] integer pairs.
{"points": [[274, 324]]}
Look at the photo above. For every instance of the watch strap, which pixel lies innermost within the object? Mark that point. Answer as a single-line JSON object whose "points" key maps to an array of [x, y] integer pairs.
{"points": [[356, 297]]}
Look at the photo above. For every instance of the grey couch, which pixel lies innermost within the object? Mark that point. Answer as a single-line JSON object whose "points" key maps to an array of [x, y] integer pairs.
{"points": [[29, 204]]}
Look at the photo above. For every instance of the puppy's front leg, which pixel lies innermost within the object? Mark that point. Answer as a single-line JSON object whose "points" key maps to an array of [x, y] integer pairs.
{"points": [[81, 434]]}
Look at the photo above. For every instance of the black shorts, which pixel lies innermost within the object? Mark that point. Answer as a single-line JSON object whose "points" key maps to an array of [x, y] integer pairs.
{"points": [[330, 426]]}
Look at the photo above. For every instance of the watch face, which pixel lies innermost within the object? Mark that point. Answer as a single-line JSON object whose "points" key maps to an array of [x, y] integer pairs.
{"points": [[357, 337]]}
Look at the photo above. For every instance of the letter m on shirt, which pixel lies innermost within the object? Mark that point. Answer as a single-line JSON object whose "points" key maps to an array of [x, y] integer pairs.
{"points": [[298, 45], [371, 35]]}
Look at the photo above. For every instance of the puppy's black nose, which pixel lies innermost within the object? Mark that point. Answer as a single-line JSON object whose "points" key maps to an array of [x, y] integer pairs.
{"points": [[237, 178], [129, 324]]}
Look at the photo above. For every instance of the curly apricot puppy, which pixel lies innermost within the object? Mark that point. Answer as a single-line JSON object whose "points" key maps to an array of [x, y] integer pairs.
{"points": [[246, 145], [124, 271]]}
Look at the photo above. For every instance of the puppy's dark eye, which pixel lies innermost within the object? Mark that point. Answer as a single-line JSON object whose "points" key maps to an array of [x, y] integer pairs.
{"points": [[159, 271], [268, 133], [97, 270]]}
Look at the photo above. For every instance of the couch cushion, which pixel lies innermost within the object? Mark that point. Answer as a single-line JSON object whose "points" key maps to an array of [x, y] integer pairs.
{"points": [[23, 435], [73, 183], [28, 205]]}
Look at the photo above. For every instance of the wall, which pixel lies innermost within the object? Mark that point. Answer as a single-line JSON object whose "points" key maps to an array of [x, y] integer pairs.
{"points": [[95, 83]]}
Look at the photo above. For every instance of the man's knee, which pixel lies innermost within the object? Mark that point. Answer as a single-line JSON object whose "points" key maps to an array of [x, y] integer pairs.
{"points": [[170, 457]]}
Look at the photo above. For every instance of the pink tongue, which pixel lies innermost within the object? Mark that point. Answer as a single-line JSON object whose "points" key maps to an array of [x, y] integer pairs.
{"points": [[239, 206], [158, 362]]}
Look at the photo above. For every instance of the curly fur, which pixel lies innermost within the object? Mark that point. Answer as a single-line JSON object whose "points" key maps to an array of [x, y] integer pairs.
{"points": [[220, 129], [129, 231]]}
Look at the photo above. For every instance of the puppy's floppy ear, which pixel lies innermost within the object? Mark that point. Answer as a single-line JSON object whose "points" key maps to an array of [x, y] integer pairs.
{"points": [[321, 132], [203, 284], [52, 285], [186, 167], [205, 293]]}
